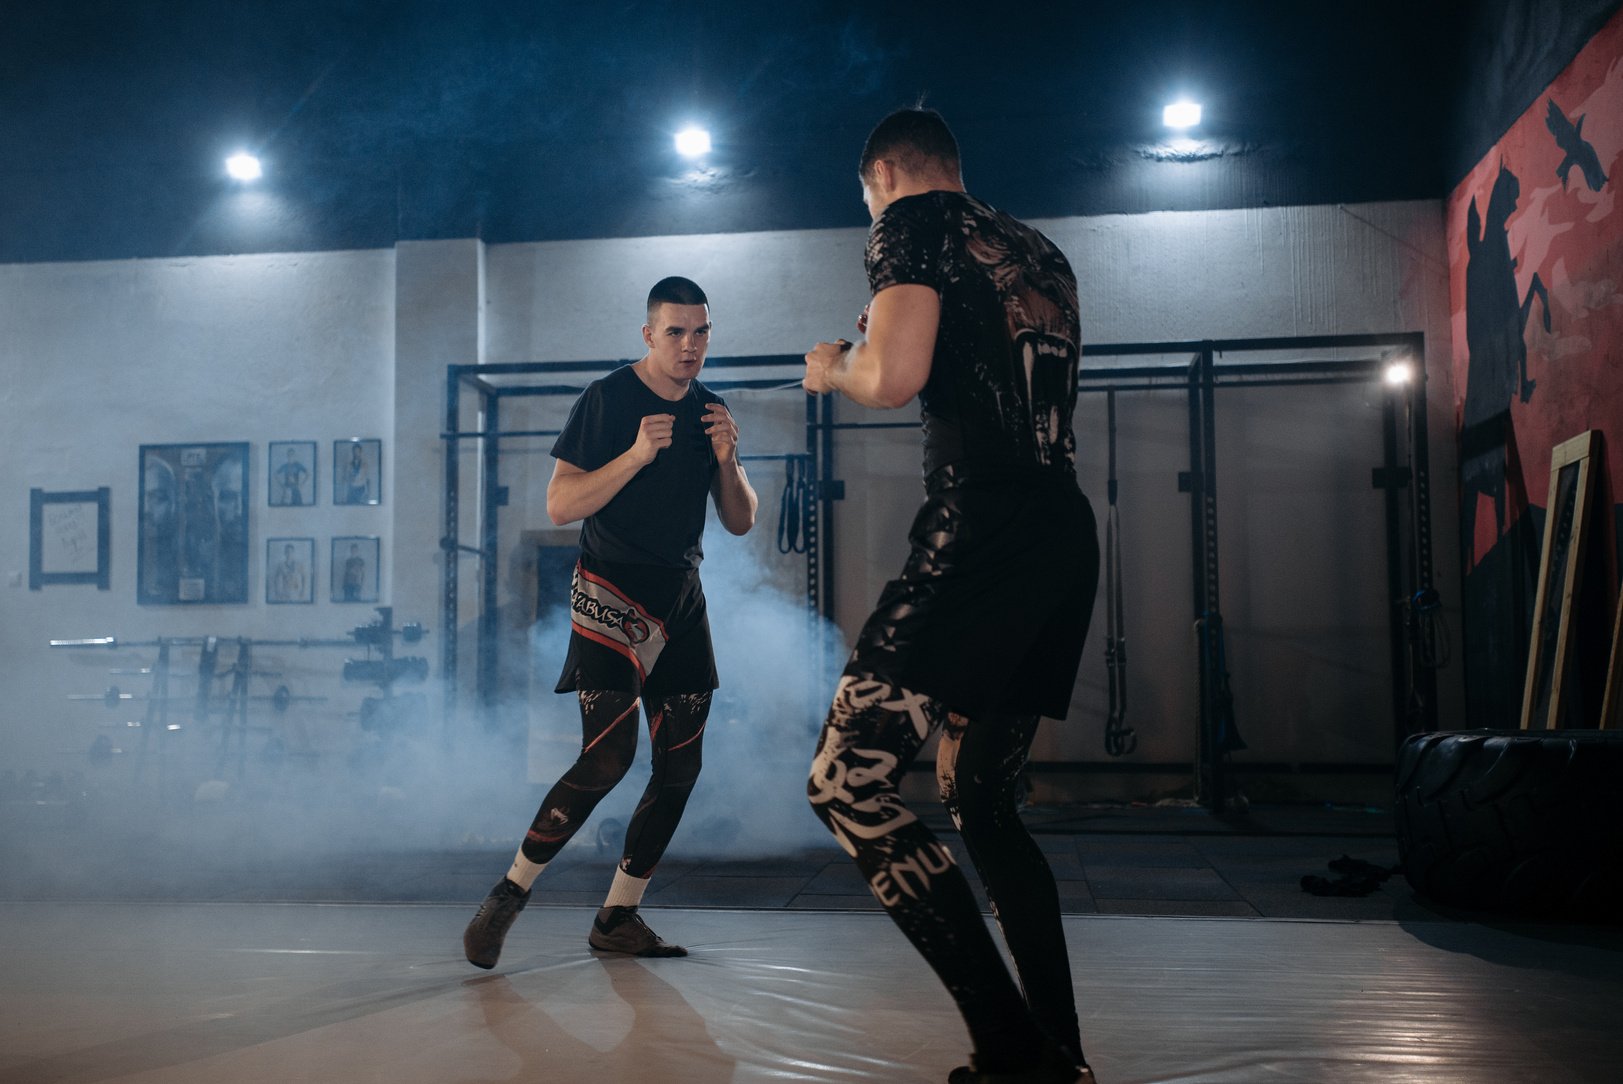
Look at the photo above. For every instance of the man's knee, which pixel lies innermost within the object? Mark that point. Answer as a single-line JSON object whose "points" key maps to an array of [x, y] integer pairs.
{"points": [[679, 723], [969, 796], [600, 769], [679, 769], [853, 790], [828, 784]]}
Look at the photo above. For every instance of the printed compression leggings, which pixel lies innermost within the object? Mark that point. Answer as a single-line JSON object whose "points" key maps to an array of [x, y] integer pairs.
{"points": [[608, 745], [872, 734]]}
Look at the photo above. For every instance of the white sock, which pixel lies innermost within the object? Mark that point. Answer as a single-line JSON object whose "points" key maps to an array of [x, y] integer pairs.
{"points": [[524, 872], [626, 891]]}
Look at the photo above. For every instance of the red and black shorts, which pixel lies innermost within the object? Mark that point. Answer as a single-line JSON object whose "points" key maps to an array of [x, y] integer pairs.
{"points": [[641, 629], [991, 610]]}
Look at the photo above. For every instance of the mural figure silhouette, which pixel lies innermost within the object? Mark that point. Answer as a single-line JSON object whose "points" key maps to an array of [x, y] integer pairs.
{"points": [[1495, 319]]}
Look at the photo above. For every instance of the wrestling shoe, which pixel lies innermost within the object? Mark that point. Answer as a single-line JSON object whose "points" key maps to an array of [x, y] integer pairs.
{"points": [[625, 931], [1055, 1068], [482, 940]]}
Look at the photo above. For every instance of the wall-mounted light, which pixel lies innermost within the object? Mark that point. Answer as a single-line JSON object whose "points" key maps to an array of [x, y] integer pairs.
{"points": [[244, 167], [1181, 114], [692, 142], [1399, 373]]}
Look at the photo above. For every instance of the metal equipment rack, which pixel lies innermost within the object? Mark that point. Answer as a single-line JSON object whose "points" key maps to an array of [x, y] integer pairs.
{"points": [[493, 385], [1409, 560], [1410, 583]]}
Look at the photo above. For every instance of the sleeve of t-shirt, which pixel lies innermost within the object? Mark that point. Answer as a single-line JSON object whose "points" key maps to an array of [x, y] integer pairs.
{"points": [[905, 245], [581, 442]]}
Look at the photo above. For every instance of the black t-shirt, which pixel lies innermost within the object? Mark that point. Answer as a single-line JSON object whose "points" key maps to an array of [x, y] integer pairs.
{"points": [[658, 517], [1002, 384]]}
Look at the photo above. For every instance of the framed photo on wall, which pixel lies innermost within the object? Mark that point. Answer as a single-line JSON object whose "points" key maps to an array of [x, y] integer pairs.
{"points": [[292, 467], [193, 541], [354, 568], [357, 471], [290, 570], [68, 537]]}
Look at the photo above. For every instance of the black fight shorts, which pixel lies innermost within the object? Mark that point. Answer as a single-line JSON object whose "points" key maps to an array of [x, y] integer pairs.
{"points": [[991, 610], [640, 629]]}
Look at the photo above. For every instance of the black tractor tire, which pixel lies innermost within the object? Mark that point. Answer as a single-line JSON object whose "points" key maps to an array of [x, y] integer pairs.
{"points": [[1526, 823]]}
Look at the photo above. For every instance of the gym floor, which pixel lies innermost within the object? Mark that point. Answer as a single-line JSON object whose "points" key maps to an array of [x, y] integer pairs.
{"points": [[1197, 956]]}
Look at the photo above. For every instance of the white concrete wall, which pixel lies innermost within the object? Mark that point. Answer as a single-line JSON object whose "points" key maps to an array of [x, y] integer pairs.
{"points": [[1303, 544], [99, 358]]}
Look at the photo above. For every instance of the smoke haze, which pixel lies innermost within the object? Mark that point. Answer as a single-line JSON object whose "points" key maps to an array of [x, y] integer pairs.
{"points": [[313, 802]]}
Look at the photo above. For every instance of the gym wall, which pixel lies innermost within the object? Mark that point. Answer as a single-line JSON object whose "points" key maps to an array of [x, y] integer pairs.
{"points": [[1535, 247], [117, 354]]}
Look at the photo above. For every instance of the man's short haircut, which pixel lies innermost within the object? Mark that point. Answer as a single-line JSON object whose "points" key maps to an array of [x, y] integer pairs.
{"points": [[917, 140], [675, 290]]}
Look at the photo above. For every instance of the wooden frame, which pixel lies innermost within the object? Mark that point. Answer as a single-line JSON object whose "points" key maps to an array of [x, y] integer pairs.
{"points": [[1612, 704], [1566, 526], [68, 538]]}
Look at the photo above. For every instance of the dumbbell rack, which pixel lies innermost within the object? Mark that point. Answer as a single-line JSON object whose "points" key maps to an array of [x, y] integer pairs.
{"points": [[233, 706]]}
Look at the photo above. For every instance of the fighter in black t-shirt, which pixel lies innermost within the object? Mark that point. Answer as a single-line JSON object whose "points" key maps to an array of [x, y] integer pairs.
{"points": [[642, 450], [981, 633]]}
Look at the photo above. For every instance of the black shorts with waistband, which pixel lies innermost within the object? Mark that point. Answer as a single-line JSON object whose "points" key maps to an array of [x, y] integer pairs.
{"points": [[991, 610], [641, 629]]}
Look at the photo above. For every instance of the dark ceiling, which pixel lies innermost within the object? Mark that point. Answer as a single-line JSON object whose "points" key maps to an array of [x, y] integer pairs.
{"points": [[525, 121]]}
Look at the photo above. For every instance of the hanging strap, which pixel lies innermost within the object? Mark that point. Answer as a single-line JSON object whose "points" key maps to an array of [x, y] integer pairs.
{"points": [[791, 506], [1119, 737]]}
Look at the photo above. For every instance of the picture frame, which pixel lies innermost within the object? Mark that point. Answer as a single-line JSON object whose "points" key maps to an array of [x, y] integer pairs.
{"points": [[290, 571], [1612, 701], [353, 569], [1566, 527], [290, 468], [357, 471], [192, 536], [69, 536]]}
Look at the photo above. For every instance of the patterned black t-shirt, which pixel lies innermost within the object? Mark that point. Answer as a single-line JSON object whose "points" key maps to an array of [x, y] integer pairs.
{"points": [[658, 517], [1002, 384]]}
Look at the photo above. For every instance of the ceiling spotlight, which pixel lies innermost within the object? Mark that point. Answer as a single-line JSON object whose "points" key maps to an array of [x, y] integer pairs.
{"points": [[1399, 373], [692, 142], [1181, 114], [243, 167]]}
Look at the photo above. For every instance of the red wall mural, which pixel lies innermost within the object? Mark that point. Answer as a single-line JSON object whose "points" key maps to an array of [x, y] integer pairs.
{"points": [[1535, 239]]}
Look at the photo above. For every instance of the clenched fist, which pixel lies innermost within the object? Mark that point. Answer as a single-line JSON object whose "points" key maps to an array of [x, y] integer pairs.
{"points": [[723, 432], [653, 435]]}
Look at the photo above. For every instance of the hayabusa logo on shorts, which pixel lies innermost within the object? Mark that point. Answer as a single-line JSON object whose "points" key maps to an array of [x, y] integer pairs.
{"points": [[627, 621], [602, 614]]}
